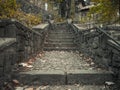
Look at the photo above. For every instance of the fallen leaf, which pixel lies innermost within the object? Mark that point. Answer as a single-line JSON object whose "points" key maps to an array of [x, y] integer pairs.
{"points": [[19, 88], [109, 83], [92, 63], [69, 89], [29, 66], [30, 63], [29, 88], [16, 82], [23, 64], [43, 88]]}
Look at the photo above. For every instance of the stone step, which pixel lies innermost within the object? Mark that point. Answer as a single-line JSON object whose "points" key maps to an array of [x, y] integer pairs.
{"points": [[59, 40], [41, 77], [57, 33], [59, 77], [61, 28], [89, 76], [60, 32], [1, 71], [59, 37], [59, 44], [63, 87], [60, 48]]}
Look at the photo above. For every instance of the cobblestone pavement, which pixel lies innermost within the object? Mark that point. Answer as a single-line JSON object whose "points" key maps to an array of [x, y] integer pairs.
{"points": [[63, 60]]}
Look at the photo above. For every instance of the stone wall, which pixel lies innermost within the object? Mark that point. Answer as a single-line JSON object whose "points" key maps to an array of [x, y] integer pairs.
{"points": [[7, 55], [29, 42], [102, 45]]}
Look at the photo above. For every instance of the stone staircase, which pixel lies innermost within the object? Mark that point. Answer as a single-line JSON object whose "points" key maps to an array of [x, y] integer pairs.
{"points": [[63, 70], [60, 39], [62, 67]]}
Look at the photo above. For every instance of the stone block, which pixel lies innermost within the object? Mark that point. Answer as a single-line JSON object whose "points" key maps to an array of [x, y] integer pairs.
{"points": [[89, 77], [42, 77], [10, 31], [1, 59], [1, 71], [116, 64], [116, 58], [2, 32]]}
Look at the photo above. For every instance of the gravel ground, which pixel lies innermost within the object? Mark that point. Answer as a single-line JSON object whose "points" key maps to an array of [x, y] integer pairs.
{"points": [[62, 60]]}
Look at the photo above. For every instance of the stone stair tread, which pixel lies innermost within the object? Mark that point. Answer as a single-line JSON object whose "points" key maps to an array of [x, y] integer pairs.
{"points": [[59, 43], [59, 40], [62, 72], [89, 76], [61, 32], [43, 72], [66, 87], [61, 37], [90, 72], [61, 48], [54, 77]]}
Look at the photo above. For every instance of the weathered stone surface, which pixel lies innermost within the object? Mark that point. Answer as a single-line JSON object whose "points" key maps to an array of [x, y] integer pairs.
{"points": [[61, 60], [1, 60], [42, 77], [41, 26], [1, 71], [63, 67], [105, 49], [89, 76], [19, 88], [29, 42], [6, 42], [80, 27], [60, 38], [2, 32], [112, 27], [7, 49], [67, 87]]}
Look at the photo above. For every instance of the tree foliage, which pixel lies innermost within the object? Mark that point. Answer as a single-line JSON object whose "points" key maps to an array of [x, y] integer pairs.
{"points": [[10, 9], [7, 8], [107, 10]]}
